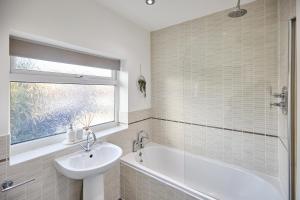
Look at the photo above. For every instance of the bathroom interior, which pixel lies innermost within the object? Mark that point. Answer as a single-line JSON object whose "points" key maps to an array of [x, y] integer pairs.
{"points": [[148, 100]]}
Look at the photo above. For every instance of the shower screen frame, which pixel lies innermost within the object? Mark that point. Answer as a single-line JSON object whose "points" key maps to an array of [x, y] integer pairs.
{"points": [[292, 146]]}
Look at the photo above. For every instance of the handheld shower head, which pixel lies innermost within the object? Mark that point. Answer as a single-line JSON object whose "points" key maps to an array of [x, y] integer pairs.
{"points": [[237, 11]]}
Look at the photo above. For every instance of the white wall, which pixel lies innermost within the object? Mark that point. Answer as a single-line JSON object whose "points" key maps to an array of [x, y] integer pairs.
{"points": [[83, 23]]}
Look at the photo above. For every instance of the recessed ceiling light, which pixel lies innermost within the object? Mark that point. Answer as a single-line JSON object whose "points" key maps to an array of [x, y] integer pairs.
{"points": [[150, 2]]}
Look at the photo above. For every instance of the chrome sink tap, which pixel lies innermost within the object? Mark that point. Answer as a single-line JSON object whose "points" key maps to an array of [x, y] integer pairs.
{"points": [[89, 143], [139, 143]]}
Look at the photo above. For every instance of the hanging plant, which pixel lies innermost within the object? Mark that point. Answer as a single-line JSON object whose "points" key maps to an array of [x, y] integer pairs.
{"points": [[142, 84]]}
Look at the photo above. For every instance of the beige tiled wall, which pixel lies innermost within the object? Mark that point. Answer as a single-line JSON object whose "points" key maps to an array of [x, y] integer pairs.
{"points": [[218, 71], [255, 152], [48, 183], [52, 185], [136, 116]]}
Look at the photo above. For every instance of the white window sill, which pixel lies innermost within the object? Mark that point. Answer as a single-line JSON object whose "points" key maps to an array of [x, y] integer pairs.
{"points": [[46, 150]]}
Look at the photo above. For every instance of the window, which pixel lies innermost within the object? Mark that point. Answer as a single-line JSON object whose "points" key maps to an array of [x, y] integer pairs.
{"points": [[33, 65], [46, 96]]}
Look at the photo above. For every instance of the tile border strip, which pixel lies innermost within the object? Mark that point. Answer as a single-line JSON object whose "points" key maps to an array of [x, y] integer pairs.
{"points": [[139, 121], [216, 127], [4, 160], [207, 126]]}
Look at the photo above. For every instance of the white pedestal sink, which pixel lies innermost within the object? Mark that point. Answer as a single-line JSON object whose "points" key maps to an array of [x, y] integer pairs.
{"points": [[90, 166]]}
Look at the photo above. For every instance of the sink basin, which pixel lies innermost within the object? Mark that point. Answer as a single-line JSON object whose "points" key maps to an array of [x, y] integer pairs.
{"points": [[90, 166], [82, 164]]}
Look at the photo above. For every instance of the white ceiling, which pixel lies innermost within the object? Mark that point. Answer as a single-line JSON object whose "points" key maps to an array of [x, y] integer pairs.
{"points": [[165, 13]]}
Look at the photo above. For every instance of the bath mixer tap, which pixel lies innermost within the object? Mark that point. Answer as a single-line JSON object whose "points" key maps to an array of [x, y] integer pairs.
{"points": [[89, 144], [139, 143]]}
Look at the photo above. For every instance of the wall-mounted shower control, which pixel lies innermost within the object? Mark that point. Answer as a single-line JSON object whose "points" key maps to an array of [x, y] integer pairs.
{"points": [[283, 96]]}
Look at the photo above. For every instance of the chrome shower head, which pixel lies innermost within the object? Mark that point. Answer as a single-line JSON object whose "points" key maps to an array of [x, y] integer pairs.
{"points": [[237, 12]]}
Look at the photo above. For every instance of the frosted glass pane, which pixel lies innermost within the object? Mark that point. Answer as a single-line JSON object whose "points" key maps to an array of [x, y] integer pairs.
{"points": [[43, 109], [47, 66]]}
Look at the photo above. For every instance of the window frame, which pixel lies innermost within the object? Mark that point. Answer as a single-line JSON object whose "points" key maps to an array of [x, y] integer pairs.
{"points": [[31, 76]]}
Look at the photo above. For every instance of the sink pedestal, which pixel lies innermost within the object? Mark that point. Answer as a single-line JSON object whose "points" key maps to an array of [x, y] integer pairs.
{"points": [[93, 187], [90, 167]]}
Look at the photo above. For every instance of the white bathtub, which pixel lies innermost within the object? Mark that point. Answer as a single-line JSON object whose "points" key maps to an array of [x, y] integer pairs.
{"points": [[200, 177]]}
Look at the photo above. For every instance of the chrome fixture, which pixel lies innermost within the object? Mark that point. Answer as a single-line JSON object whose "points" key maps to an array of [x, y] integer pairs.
{"points": [[150, 2], [237, 11], [283, 96], [139, 143], [140, 157], [88, 145], [8, 184]]}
